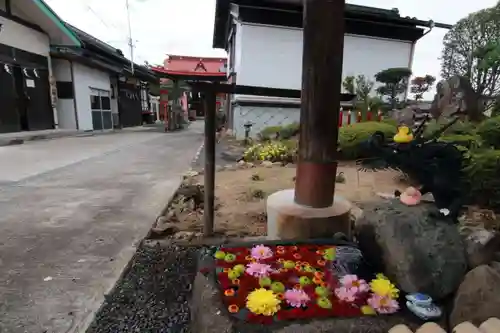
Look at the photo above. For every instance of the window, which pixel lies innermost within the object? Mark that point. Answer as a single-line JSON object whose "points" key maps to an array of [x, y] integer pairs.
{"points": [[65, 90], [95, 103], [232, 49], [105, 103]]}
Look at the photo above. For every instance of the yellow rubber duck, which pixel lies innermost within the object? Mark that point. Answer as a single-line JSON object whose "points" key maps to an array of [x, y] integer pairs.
{"points": [[403, 135]]}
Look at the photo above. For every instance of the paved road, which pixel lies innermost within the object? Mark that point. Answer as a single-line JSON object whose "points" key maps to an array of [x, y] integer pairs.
{"points": [[71, 212]]}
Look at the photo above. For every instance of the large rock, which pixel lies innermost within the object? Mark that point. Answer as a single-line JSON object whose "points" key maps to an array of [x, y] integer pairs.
{"points": [[481, 247], [419, 253], [478, 297]]}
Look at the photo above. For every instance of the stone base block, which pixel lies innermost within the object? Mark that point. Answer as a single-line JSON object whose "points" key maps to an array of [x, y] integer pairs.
{"points": [[288, 220]]}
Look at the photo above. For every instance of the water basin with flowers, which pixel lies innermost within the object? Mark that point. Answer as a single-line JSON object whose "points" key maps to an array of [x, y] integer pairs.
{"points": [[266, 284]]}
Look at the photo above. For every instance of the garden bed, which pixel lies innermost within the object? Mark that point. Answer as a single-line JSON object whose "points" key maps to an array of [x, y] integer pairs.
{"points": [[241, 193]]}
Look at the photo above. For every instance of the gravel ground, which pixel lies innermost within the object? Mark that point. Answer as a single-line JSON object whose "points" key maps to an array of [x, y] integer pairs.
{"points": [[153, 296]]}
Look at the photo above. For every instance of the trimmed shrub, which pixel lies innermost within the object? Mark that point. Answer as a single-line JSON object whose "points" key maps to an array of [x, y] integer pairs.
{"points": [[489, 131], [483, 177], [269, 133], [467, 140], [459, 128], [351, 136], [289, 131]]}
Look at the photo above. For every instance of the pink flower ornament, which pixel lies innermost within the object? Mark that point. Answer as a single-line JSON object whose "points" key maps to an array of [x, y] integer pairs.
{"points": [[346, 294], [258, 270], [296, 297], [352, 281], [383, 305], [261, 252]]}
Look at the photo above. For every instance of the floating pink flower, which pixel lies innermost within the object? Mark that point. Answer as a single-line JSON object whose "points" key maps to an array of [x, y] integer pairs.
{"points": [[383, 304], [296, 297], [346, 294], [258, 270], [261, 252], [352, 281]]}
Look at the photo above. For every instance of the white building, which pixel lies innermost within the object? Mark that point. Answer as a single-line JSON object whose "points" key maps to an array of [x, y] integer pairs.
{"points": [[96, 87], [264, 42], [27, 28], [80, 83]]}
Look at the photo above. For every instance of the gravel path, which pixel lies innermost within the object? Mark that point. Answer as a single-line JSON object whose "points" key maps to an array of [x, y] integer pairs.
{"points": [[153, 296]]}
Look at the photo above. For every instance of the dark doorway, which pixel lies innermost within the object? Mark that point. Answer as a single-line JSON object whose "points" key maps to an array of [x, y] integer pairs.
{"points": [[9, 117], [23, 99], [129, 105]]}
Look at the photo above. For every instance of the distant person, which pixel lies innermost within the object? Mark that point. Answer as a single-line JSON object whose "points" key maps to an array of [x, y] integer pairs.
{"points": [[220, 125]]}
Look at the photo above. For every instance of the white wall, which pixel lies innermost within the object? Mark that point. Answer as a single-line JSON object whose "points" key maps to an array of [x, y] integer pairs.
{"points": [[24, 38], [86, 78], [272, 56], [65, 106]]}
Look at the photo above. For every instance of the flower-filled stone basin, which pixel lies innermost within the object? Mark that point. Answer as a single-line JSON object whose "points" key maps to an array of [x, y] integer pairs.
{"points": [[265, 284]]}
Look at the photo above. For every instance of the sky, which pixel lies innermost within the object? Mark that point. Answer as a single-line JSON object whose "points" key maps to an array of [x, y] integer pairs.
{"points": [[185, 27]]}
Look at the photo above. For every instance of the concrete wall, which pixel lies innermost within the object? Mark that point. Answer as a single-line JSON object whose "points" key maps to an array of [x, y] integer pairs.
{"points": [[272, 56], [65, 106], [264, 116], [24, 38], [86, 78]]}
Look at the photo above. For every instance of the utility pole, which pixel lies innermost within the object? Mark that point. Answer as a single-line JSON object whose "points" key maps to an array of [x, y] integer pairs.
{"points": [[130, 43]]}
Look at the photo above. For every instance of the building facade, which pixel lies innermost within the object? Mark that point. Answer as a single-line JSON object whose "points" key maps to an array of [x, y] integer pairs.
{"points": [[27, 94], [264, 42], [96, 87]]}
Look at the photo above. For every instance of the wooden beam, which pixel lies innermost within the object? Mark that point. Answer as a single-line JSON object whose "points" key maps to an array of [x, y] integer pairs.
{"points": [[321, 85], [208, 101], [227, 88]]}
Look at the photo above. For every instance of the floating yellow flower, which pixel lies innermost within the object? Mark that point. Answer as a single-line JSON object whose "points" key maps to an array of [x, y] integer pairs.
{"points": [[263, 302], [368, 310], [383, 287]]}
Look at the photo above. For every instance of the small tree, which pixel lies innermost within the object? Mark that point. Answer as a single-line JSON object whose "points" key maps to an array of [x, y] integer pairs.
{"points": [[472, 49], [363, 88], [348, 84], [421, 84], [394, 82]]}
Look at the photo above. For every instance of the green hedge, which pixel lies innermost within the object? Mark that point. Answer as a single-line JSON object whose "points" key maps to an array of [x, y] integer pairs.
{"points": [[351, 136], [470, 141], [483, 177], [489, 131]]}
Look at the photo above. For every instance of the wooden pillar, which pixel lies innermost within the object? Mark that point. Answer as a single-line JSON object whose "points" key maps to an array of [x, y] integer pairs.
{"points": [[323, 40], [208, 102]]}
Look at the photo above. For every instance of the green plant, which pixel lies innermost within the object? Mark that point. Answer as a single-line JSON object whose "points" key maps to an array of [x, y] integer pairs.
{"points": [[470, 141], [269, 133], [289, 131], [459, 128], [274, 151], [351, 136], [489, 131], [483, 177]]}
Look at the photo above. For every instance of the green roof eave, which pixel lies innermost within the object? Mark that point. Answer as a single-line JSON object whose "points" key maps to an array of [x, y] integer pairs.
{"points": [[57, 21]]}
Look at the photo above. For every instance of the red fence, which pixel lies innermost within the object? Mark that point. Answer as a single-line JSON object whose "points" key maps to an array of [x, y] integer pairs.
{"points": [[351, 117]]}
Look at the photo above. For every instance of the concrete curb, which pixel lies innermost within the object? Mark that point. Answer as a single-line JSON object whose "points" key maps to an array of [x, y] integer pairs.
{"points": [[20, 138]]}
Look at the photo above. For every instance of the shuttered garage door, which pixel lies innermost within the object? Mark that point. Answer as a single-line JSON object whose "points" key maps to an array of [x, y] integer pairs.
{"points": [[100, 102]]}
